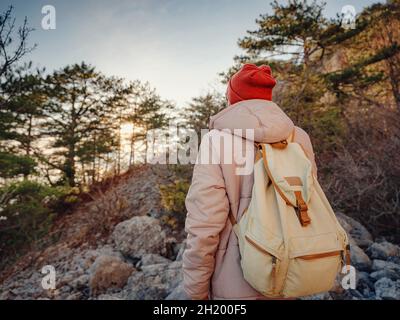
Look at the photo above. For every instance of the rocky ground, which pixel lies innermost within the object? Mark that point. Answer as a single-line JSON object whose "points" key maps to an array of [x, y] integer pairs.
{"points": [[137, 257], [138, 262], [377, 264]]}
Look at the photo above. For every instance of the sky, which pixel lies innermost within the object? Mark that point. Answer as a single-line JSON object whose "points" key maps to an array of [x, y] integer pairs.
{"points": [[178, 46]]}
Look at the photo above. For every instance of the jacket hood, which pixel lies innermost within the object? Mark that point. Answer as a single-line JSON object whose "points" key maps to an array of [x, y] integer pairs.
{"points": [[268, 120]]}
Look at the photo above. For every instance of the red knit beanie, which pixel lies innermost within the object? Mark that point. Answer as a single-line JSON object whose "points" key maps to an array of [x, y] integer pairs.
{"points": [[251, 82]]}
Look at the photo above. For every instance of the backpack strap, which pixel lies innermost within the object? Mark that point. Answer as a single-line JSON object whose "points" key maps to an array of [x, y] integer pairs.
{"points": [[271, 178], [232, 218], [293, 134], [257, 157], [261, 153]]}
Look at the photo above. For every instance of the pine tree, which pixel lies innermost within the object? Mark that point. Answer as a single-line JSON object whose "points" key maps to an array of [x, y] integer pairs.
{"points": [[13, 47], [147, 111], [372, 73], [80, 103], [197, 114], [293, 40]]}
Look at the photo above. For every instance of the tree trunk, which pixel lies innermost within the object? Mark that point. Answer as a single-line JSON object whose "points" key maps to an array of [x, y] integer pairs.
{"points": [[394, 76], [132, 151], [94, 159], [28, 143], [70, 166]]}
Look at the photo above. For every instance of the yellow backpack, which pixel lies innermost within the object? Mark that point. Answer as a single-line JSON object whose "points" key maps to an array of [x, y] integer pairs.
{"points": [[291, 243]]}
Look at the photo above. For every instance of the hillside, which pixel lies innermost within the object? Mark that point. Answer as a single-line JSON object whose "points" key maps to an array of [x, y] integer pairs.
{"points": [[86, 235], [115, 246]]}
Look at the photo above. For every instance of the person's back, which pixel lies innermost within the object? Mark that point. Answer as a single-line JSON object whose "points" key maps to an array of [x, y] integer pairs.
{"points": [[211, 262]]}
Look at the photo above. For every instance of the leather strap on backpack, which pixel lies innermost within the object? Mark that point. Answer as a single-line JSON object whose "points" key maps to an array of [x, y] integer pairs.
{"points": [[302, 209], [284, 143], [279, 145]]}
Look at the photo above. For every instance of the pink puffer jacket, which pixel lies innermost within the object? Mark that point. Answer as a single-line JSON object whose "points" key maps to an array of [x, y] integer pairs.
{"points": [[211, 262]]}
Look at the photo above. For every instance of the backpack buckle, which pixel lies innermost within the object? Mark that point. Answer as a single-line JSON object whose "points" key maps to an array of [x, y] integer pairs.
{"points": [[302, 206], [301, 210]]}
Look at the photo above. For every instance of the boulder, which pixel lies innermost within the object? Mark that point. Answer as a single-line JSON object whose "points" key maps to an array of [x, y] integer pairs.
{"points": [[381, 264], [387, 289], [178, 294], [358, 257], [385, 269], [385, 273], [108, 272], [154, 281], [138, 236], [383, 250], [362, 237], [152, 258], [80, 282], [364, 284]]}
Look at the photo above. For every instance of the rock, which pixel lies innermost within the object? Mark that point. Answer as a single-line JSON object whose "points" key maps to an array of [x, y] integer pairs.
{"points": [[385, 269], [385, 273], [75, 296], [318, 296], [358, 258], [355, 294], [381, 264], [151, 258], [155, 292], [364, 284], [108, 272], [154, 281], [356, 230], [138, 236], [383, 250], [395, 259], [108, 297], [7, 295], [108, 250], [178, 294], [67, 278], [80, 282], [387, 289], [171, 245], [182, 248], [156, 214]]}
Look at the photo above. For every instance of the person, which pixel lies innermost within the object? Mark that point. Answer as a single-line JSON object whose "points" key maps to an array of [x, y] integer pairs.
{"points": [[211, 260]]}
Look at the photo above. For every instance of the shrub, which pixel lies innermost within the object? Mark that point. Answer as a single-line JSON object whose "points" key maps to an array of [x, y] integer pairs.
{"points": [[173, 195], [27, 210], [362, 179], [173, 200]]}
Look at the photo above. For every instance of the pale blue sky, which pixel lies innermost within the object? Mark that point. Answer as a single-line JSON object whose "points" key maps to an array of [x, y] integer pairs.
{"points": [[179, 46]]}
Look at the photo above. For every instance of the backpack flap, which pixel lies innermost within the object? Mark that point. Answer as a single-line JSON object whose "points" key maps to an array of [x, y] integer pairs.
{"points": [[290, 171]]}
